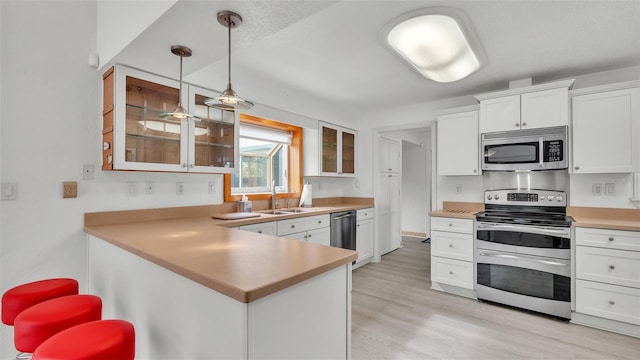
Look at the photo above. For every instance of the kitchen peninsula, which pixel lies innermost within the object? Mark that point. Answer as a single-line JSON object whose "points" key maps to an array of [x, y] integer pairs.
{"points": [[197, 288]]}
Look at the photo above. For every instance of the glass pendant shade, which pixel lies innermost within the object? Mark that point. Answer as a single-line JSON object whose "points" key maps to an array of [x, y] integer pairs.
{"points": [[228, 99]]}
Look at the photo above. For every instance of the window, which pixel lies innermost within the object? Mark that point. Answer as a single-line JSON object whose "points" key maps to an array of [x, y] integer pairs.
{"points": [[263, 160], [270, 153]]}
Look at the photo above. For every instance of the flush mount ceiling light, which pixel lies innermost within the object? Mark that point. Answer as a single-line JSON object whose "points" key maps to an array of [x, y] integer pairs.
{"points": [[228, 99], [438, 42], [179, 112]]}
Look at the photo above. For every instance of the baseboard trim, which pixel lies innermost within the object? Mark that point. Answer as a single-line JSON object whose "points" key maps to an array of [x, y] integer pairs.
{"points": [[414, 234]]}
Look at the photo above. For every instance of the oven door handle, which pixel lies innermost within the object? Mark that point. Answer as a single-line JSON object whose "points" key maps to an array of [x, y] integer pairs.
{"points": [[524, 229], [526, 258]]}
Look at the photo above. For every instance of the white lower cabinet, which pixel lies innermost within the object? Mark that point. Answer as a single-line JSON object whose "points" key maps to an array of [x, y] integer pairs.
{"points": [[452, 260], [364, 235], [315, 229], [608, 279]]}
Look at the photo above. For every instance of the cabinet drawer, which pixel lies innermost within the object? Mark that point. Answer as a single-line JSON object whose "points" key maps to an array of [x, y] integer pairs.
{"points": [[464, 226], [608, 301], [610, 239], [452, 245], [364, 214], [267, 228], [452, 272], [303, 224], [617, 267]]}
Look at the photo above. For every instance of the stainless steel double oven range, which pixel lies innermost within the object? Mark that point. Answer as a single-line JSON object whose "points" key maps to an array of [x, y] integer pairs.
{"points": [[523, 250]]}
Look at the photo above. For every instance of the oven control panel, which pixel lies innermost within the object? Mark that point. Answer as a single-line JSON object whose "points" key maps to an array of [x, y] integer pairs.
{"points": [[526, 197]]}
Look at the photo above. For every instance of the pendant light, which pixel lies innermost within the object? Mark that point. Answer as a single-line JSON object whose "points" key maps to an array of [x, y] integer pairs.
{"points": [[228, 99], [179, 112]]}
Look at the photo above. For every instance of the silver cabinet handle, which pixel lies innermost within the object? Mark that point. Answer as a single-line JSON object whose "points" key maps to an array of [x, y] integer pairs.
{"points": [[450, 224], [319, 221], [524, 124], [450, 272], [450, 245], [610, 238], [184, 165], [612, 267], [517, 125], [259, 231], [577, 167], [309, 235], [611, 302], [293, 226]]}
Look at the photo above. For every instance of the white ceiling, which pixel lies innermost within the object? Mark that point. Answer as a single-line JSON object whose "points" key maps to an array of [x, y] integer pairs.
{"points": [[332, 51]]}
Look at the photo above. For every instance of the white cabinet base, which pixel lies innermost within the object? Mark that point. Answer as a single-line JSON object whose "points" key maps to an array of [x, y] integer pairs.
{"points": [[606, 324]]}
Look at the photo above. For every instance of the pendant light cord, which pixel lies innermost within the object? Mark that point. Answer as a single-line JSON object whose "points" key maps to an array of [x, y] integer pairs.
{"points": [[229, 49], [180, 91]]}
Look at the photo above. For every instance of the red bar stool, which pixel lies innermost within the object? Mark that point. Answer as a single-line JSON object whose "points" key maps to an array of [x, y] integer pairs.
{"points": [[41, 321], [23, 296], [96, 340]]}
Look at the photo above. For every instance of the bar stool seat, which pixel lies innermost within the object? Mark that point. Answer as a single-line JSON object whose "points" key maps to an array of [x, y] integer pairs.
{"points": [[41, 321], [21, 297], [95, 340]]}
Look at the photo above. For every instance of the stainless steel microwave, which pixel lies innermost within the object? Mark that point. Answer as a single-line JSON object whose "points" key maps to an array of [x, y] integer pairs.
{"points": [[532, 149]]}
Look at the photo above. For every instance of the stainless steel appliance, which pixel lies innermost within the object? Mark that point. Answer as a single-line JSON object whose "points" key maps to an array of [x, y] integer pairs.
{"points": [[343, 229], [534, 149], [523, 250]]}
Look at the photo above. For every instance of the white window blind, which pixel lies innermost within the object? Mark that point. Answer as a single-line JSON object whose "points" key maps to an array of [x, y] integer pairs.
{"points": [[266, 134]]}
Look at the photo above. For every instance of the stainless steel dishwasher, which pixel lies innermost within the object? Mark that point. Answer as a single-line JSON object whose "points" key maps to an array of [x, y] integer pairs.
{"points": [[343, 229]]}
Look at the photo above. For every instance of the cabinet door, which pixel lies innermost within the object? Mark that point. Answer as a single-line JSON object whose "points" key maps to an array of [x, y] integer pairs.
{"points": [[144, 139], [458, 149], [329, 149], [606, 129], [500, 114], [389, 157], [348, 153], [320, 236], [364, 239], [383, 233], [213, 137], [395, 230], [545, 108], [300, 236]]}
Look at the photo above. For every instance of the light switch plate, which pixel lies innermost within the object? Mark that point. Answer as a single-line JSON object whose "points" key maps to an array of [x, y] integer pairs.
{"points": [[9, 191]]}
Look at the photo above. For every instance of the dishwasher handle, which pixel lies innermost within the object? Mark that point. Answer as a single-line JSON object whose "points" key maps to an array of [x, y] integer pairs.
{"points": [[343, 217]]}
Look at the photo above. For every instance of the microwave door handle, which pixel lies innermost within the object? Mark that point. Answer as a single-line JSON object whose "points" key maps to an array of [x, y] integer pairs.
{"points": [[528, 228], [526, 258]]}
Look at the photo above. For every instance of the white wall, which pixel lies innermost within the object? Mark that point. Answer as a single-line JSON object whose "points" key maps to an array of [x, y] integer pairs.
{"points": [[581, 193]]}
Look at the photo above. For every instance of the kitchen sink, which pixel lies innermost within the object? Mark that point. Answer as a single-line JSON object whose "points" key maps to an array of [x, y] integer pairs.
{"points": [[294, 211], [274, 212]]}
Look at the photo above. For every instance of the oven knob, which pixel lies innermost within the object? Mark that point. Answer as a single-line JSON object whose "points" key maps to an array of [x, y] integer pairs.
{"points": [[489, 197], [558, 198], [496, 196], [550, 197]]}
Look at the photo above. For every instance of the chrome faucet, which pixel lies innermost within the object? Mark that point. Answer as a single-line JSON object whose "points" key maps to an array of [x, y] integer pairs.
{"points": [[273, 195]]}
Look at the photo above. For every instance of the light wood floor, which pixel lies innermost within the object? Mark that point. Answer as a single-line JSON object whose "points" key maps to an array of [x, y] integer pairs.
{"points": [[395, 315]]}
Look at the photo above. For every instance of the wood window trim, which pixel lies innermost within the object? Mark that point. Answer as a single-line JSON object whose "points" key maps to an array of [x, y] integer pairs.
{"points": [[295, 160]]}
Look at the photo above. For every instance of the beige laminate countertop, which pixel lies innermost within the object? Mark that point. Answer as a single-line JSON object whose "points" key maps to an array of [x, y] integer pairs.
{"points": [[460, 210], [243, 265], [605, 218]]}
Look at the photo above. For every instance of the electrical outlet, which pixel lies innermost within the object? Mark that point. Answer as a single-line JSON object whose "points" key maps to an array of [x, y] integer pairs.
{"points": [[212, 187], [458, 188], [69, 189], [596, 189], [87, 171], [179, 188], [132, 189], [148, 188], [610, 189], [9, 191]]}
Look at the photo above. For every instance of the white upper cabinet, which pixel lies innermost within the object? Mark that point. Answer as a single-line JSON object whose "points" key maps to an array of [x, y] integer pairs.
{"points": [[532, 107], [457, 143], [389, 158], [142, 138], [337, 150], [606, 132]]}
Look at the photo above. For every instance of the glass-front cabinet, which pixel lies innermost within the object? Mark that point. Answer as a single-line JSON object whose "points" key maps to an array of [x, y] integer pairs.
{"points": [[337, 150], [145, 138]]}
